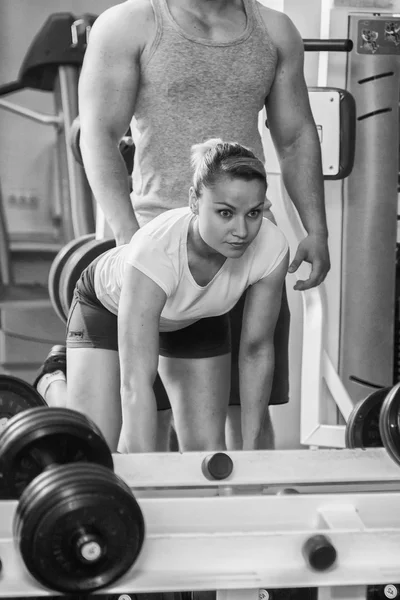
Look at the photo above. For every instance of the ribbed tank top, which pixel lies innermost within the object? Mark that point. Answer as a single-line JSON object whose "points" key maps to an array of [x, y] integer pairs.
{"points": [[192, 89]]}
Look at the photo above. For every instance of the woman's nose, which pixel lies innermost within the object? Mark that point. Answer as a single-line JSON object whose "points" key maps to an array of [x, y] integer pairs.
{"points": [[240, 228]]}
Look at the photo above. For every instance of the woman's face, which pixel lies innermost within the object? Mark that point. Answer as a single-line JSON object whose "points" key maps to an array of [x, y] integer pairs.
{"points": [[230, 214]]}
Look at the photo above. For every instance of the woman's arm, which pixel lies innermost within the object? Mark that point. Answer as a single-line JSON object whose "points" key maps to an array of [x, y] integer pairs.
{"points": [[256, 353], [140, 306]]}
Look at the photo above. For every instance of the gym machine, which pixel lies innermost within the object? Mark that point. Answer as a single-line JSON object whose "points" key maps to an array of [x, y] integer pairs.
{"points": [[76, 520], [28, 325], [52, 64]]}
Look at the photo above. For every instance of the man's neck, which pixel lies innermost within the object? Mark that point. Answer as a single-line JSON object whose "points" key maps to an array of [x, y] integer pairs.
{"points": [[204, 6]]}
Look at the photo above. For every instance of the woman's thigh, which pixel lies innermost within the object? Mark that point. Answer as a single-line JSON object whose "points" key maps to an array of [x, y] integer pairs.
{"points": [[92, 362], [198, 389]]}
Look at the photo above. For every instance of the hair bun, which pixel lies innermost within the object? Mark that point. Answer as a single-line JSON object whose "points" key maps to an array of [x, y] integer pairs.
{"points": [[198, 151]]}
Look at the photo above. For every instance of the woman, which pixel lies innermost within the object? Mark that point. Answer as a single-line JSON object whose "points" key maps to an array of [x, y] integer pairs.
{"points": [[186, 266]]}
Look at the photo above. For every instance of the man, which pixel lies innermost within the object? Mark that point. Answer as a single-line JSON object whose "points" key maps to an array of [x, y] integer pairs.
{"points": [[188, 70]]}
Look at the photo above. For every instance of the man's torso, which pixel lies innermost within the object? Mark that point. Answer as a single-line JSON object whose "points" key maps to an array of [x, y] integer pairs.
{"points": [[198, 80]]}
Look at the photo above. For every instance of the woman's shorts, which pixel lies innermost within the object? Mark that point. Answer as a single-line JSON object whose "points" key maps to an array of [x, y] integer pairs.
{"points": [[91, 325]]}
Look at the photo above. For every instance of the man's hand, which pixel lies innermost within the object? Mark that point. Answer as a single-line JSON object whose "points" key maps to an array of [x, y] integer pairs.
{"points": [[312, 249]]}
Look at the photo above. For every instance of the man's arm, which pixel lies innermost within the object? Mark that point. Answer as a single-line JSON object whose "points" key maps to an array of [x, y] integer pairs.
{"points": [[296, 140], [140, 307], [256, 353], [107, 92]]}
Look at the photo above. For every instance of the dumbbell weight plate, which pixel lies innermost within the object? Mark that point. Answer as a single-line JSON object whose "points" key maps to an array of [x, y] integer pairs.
{"points": [[16, 395], [57, 267], [79, 528], [362, 428], [389, 423], [75, 266], [63, 435]]}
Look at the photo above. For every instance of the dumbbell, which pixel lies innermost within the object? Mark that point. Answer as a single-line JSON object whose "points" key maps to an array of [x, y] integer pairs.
{"points": [[126, 145], [374, 422], [77, 524], [68, 266]]}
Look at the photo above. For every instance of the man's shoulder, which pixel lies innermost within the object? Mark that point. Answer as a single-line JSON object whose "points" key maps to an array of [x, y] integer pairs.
{"points": [[130, 17], [279, 25]]}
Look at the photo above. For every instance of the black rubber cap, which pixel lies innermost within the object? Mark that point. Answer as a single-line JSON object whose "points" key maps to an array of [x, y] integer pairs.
{"points": [[217, 466], [287, 492], [319, 552]]}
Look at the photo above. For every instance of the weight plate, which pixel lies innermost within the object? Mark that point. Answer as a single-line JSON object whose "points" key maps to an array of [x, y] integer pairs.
{"points": [[389, 423], [79, 528], [362, 428], [57, 267], [36, 438], [16, 395], [75, 266]]}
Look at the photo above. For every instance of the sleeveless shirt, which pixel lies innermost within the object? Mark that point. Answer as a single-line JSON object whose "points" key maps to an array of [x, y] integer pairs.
{"points": [[192, 89]]}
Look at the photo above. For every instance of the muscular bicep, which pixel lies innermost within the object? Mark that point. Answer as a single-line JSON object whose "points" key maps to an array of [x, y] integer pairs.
{"points": [[261, 311], [140, 307], [288, 106], [110, 74]]}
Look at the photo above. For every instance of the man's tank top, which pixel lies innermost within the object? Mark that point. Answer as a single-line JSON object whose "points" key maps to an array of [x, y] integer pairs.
{"points": [[192, 89]]}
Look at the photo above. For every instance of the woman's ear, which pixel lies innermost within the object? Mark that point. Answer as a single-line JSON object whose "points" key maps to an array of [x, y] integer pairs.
{"points": [[193, 201]]}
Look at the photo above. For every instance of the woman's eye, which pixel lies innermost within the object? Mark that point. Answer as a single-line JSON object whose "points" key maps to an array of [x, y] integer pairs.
{"points": [[224, 213], [254, 213]]}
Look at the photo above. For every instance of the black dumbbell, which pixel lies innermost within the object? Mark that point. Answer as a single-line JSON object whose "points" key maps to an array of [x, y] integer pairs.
{"points": [[78, 525]]}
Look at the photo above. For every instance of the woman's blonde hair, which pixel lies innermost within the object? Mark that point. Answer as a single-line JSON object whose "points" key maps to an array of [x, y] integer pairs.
{"points": [[215, 158]]}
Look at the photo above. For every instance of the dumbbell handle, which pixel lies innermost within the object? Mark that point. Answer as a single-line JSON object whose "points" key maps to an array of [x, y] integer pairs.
{"points": [[44, 458]]}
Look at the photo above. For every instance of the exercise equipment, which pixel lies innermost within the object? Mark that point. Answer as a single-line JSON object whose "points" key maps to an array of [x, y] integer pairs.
{"points": [[362, 428], [42, 437], [56, 270], [389, 423], [375, 422], [79, 528], [76, 264], [126, 145], [217, 466], [52, 64], [77, 525], [68, 266], [236, 535], [16, 396]]}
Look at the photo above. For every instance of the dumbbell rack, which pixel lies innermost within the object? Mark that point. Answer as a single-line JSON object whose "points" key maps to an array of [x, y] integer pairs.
{"points": [[242, 534]]}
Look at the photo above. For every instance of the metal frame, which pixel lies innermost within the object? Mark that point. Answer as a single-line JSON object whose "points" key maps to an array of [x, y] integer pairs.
{"points": [[317, 368], [238, 536]]}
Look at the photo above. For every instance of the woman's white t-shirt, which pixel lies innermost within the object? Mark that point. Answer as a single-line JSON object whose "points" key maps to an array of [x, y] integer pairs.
{"points": [[159, 251]]}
